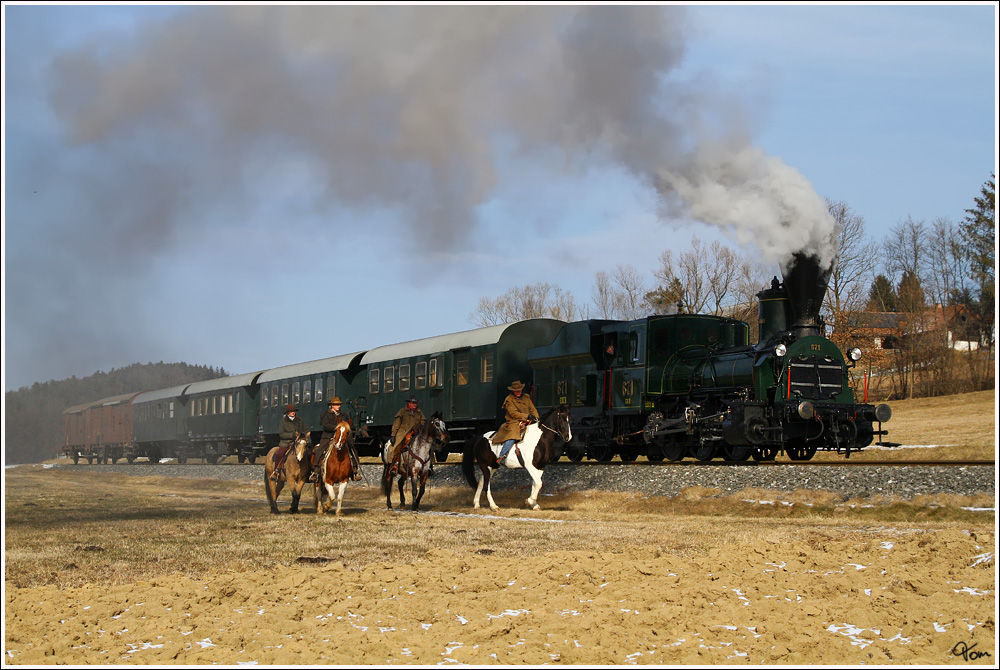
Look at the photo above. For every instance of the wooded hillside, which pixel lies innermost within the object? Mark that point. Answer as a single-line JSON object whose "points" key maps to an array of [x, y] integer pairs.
{"points": [[33, 415]]}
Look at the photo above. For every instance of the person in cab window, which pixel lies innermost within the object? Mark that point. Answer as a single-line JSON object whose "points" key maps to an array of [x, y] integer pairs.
{"points": [[519, 412], [406, 419], [331, 417], [291, 425]]}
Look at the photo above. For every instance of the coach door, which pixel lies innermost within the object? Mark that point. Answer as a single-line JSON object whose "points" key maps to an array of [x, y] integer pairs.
{"points": [[461, 389]]}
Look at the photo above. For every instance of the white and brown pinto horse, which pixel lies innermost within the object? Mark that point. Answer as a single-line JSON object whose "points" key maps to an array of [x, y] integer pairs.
{"points": [[532, 453], [415, 460], [294, 471], [335, 470]]}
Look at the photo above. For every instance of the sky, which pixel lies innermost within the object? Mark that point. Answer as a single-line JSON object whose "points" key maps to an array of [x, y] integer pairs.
{"points": [[253, 186]]}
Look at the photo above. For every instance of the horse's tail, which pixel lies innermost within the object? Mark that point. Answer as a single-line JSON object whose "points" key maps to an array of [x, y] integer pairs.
{"points": [[469, 462]]}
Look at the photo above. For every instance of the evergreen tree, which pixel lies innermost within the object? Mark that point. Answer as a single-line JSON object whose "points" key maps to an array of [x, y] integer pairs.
{"points": [[882, 296]]}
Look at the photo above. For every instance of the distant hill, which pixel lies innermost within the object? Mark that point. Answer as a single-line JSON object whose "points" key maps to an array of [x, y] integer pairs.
{"points": [[33, 415]]}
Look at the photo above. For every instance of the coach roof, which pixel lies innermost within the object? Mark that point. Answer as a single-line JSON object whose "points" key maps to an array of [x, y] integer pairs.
{"points": [[441, 343], [321, 366], [222, 383]]}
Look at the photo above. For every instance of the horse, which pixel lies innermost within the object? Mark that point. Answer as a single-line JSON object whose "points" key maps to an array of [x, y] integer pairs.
{"points": [[335, 470], [295, 471], [415, 461], [532, 453]]}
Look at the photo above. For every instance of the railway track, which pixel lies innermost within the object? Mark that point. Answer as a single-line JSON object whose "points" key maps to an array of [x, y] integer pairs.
{"points": [[844, 463]]}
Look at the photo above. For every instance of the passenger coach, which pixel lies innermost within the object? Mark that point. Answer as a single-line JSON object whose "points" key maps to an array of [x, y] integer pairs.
{"points": [[464, 376]]}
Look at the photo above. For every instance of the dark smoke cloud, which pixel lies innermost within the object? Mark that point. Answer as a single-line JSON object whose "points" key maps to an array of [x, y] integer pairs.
{"points": [[407, 104], [405, 107]]}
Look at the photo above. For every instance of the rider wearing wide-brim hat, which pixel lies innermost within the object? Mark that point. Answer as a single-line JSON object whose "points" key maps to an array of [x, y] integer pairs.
{"points": [[406, 419], [331, 417], [291, 425], [519, 411]]}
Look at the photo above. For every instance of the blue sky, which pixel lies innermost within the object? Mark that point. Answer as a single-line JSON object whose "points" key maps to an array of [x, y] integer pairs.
{"points": [[249, 188]]}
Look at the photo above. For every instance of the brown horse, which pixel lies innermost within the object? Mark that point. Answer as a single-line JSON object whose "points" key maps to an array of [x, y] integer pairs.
{"points": [[295, 471], [336, 469]]}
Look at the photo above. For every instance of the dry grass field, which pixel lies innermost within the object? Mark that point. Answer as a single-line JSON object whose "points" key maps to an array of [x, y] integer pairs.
{"points": [[106, 568]]}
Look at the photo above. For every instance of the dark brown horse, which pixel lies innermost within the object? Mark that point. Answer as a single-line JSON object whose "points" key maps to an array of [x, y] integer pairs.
{"points": [[335, 470], [415, 461], [532, 453], [295, 471]]}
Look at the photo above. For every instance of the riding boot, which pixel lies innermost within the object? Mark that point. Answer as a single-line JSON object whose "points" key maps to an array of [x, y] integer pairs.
{"points": [[275, 476]]}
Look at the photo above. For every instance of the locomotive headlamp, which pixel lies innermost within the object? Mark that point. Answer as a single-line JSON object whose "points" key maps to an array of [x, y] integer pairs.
{"points": [[780, 350], [854, 354], [806, 409]]}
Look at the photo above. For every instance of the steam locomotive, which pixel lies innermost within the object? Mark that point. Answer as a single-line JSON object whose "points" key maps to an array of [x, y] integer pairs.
{"points": [[676, 386], [667, 387]]}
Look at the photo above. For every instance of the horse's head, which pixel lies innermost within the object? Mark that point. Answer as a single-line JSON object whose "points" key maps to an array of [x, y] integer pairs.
{"points": [[439, 431], [300, 445], [563, 419], [341, 433]]}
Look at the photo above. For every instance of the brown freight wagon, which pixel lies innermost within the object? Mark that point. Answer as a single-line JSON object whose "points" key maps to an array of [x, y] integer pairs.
{"points": [[100, 430]]}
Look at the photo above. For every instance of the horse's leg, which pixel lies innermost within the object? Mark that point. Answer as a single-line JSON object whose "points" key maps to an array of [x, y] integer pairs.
{"points": [[330, 495], [418, 495], [295, 486], [402, 490], [318, 495], [269, 486], [340, 496], [485, 473], [536, 484]]}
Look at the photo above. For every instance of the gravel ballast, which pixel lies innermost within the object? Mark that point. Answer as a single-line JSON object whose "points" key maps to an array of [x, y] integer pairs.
{"points": [[903, 482]]}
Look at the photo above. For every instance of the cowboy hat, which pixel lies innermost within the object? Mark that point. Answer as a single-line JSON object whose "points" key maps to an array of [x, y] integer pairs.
{"points": [[516, 386], [290, 408], [335, 400]]}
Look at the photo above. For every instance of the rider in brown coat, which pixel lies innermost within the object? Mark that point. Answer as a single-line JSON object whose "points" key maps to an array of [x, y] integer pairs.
{"points": [[520, 411], [405, 420]]}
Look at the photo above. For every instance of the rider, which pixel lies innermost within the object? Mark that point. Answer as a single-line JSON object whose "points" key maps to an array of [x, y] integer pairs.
{"points": [[405, 420], [291, 424], [331, 417], [520, 411]]}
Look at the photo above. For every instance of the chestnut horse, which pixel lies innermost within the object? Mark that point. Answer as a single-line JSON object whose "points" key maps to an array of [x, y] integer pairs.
{"points": [[532, 453], [415, 461], [335, 469], [295, 471]]}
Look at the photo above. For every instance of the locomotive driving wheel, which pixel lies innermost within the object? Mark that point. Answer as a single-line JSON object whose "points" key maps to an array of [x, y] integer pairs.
{"points": [[704, 451], [800, 451], [737, 453]]}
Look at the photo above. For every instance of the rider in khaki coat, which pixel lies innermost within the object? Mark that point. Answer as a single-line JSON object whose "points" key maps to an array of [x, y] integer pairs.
{"points": [[405, 420], [519, 411]]}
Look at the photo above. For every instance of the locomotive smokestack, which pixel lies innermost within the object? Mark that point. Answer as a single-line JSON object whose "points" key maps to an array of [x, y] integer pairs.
{"points": [[805, 284]]}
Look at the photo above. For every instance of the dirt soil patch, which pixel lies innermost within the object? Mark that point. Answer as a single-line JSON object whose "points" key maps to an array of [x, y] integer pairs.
{"points": [[104, 570]]}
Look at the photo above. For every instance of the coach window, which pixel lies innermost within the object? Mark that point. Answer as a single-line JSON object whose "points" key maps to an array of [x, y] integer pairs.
{"points": [[462, 369], [331, 386], [236, 402], [404, 377], [274, 395], [373, 380], [307, 391], [633, 347], [435, 379], [296, 393], [487, 366], [319, 389], [284, 394], [388, 378], [421, 375], [171, 409]]}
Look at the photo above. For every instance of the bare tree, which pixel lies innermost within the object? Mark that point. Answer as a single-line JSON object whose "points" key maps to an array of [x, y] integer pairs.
{"points": [[602, 295], [852, 269], [687, 272], [525, 302], [629, 293]]}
